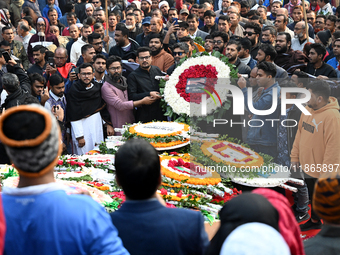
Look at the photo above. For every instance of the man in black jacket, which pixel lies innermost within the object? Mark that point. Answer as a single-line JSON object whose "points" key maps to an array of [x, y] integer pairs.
{"points": [[125, 48], [142, 83], [17, 84]]}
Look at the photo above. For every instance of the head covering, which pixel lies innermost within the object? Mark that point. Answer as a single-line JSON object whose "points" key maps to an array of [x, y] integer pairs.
{"points": [[163, 3], [149, 1], [255, 239], [288, 226], [184, 11], [4, 18], [31, 136], [146, 20], [243, 209], [89, 5], [137, 3], [326, 198], [324, 36]]}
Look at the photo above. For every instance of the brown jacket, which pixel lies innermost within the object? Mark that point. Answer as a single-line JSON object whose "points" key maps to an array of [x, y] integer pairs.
{"points": [[163, 60], [317, 141]]}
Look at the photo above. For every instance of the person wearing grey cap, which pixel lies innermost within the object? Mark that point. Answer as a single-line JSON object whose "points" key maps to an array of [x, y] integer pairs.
{"points": [[47, 216], [183, 14]]}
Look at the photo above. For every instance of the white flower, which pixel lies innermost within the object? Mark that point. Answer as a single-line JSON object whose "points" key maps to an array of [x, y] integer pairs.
{"points": [[179, 105]]}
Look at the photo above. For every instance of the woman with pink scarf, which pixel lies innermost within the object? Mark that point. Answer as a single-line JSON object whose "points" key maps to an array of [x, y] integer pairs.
{"points": [[291, 4]]}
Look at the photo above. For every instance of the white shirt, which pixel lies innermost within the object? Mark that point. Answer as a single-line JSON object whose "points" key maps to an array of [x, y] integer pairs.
{"points": [[296, 43], [194, 35], [25, 40], [326, 10], [76, 50]]}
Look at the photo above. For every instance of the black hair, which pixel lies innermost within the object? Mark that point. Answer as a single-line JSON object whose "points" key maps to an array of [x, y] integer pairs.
{"points": [[99, 55], [321, 16], [246, 43], [131, 14], [336, 34], [287, 36], [85, 65], [257, 17], [55, 79], [155, 35], [183, 24], [285, 18], [40, 48], [187, 39], [272, 30], [268, 68], [252, 25], [7, 28], [121, 27], [244, 4], [332, 18], [143, 49], [4, 43], [319, 48], [37, 77], [193, 16], [269, 50], [224, 17], [320, 88], [52, 10], [85, 48], [112, 59], [92, 37], [71, 15], [69, 7], [140, 175], [289, 84], [302, 77], [29, 20], [224, 36], [137, 10], [197, 6], [237, 43], [325, 1], [209, 13], [173, 9]]}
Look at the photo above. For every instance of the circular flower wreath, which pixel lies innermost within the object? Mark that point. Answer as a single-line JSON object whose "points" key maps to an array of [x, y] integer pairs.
{"points": [[204, 66]]}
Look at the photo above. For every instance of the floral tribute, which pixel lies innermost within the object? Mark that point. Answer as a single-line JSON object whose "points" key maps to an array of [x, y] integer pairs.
{"points": [[231, 154], [159, 134], [186, 104]]}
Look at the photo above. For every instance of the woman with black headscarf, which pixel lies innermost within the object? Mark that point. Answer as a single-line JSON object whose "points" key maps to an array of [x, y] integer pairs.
{"points": [[243, 209]]}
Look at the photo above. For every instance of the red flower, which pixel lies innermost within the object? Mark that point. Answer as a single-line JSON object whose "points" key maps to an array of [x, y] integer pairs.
{"points": [[196, 71], [180, 193], [164, 192], [170, 205], [173, 153], [60, 162]]}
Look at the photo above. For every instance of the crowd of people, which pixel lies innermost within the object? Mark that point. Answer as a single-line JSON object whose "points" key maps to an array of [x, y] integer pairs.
{"points": [[95, 70]]}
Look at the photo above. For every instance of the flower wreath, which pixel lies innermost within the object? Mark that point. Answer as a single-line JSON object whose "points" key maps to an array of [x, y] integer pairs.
{"points": [[183, 103]]}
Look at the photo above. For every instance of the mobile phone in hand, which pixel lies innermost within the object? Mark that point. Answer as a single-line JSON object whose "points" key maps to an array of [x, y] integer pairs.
{"points": [[51, 61], [6, 56]]}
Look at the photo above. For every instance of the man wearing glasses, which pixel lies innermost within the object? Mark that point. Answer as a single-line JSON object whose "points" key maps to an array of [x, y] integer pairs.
{"points": [[84, 103], [141, 83], [320, 23], [311, 17], [181, 50], [252, 32]]}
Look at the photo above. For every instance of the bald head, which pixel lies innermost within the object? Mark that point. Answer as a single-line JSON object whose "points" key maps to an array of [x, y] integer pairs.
{"points": [[282, 11], [233, 9], [73, 26], [301, 24], [61, 51]]}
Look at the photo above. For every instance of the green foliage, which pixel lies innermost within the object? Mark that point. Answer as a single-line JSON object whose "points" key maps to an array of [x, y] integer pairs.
{"points": [[199, 41], [104, 150], [85, 178]]}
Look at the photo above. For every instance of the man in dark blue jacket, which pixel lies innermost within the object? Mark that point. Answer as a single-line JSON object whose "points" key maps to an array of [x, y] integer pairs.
{"points": [[145, 226], [262, 134]]}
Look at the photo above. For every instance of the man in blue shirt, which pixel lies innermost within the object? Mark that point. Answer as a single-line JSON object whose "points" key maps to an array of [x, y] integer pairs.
{"points": [[50, 4], [145, 226], [334, 62], [42, 216]]}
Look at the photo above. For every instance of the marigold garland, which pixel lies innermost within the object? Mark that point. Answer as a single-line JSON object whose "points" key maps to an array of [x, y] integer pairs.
{"points": [[189, 180]]}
